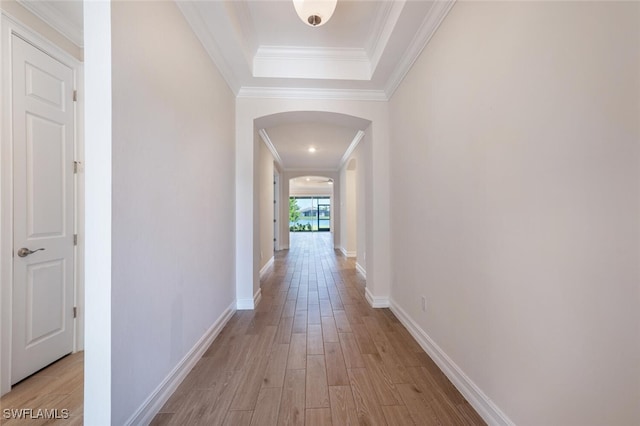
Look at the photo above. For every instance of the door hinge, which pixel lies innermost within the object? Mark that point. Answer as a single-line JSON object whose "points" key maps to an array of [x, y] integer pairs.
{"points": [[75, 167], [75, 239], [75, 96], [274, 201], [274, 240], [274, 221], [75, 312]]}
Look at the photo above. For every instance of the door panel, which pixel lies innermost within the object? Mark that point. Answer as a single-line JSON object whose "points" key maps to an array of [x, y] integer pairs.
{"points": [[45, 178], [44, 294], [43, 200]]}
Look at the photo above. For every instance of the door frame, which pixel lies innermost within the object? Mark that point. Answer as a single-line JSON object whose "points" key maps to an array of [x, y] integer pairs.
{"points": [[10, 27], [330, 215], [276, 209]]}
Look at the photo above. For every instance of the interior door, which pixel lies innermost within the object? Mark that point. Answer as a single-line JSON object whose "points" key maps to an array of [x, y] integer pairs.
{"points": [[43, 209]]}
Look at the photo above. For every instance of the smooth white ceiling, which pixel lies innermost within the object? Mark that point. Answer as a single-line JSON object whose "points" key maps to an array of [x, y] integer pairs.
{"points": [[263, 49], [276, 24], [292, 133], [363, 52], [292, 142], [318, 185]]}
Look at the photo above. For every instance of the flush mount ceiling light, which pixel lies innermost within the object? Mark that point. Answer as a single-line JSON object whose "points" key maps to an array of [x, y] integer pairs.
{"points": [[315, 12], [312, 149]]}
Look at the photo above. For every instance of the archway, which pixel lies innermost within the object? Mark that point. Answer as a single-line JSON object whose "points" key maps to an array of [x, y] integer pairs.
{"points": [[370, 119]]}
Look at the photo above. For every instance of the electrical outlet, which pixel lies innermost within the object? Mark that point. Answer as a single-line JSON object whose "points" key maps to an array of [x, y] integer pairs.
{"points": [[424, 304]]}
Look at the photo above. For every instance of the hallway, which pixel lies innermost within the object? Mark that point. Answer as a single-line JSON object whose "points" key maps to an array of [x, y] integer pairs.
{"points": [[315, 353]]}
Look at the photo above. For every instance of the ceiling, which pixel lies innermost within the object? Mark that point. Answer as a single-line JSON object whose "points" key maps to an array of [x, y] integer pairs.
{"points": [[292, 141], [263, 49], [317, 185], [65, 16], [362, 52], [290, 135]]}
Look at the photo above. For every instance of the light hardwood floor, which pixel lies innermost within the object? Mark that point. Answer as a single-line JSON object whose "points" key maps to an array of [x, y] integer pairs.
{"points": [[315, 353], [57, 387]]}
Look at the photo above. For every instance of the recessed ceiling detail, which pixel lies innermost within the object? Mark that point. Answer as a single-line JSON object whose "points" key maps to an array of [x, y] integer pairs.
{"points": [[363, 52], [263, 49], [309, 62]]}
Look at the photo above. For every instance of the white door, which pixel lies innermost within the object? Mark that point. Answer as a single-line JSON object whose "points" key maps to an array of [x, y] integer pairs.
{"points": [[43, 209]]}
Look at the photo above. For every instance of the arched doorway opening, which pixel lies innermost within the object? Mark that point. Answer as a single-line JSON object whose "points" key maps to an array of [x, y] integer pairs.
{"points": [[310, 204], [256, 124]]}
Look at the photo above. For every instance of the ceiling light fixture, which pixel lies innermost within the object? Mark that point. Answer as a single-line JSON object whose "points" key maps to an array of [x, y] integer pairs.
{"points": [[315, 12], [312, 150]]}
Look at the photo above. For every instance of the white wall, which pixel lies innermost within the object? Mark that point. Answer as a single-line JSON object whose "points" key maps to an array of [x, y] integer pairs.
{"points": [[348, 220], [98, 214], [266, 204], [364, 194], [515, 184], [173, 197], [323, 190]]}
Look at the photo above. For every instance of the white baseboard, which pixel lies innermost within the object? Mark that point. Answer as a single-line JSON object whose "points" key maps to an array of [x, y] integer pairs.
{"points": [[473, 394], [375, 302], [266, 267], [249, 304], [150, 407], [360, 269], [346, 253], [257, 298]]}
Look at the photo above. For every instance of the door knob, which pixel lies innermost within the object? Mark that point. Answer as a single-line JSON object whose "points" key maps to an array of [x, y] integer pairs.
{"points": [[24, 252]]}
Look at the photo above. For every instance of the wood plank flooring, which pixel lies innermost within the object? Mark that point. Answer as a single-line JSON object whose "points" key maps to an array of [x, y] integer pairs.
{"points": [[315, 353], [57, 387]]}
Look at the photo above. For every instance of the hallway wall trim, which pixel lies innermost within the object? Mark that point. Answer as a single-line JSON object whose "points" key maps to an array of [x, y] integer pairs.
{"points": [[266, 267], [374, 301], [360, 269], [150, 407], [489, 411], [248, 304], [347, 253]]}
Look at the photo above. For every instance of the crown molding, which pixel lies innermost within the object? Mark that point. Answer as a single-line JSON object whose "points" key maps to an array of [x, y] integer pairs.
{"points": [[383, 27], [267, 141], [207, 20], [293, 53], [312, 93], [377, 28], [354, 144], [57, 20], [244, 28], [199, 27], [428, 28], [310, 62]]}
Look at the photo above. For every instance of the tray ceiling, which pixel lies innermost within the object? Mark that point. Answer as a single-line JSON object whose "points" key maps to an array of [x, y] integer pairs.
{"points": [[263, 49]]}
